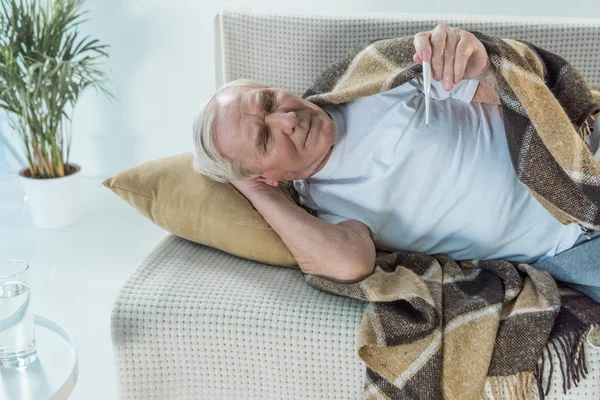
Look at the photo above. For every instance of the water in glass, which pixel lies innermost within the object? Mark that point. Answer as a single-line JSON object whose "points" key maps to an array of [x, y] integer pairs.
{"points": [[17, 336]]}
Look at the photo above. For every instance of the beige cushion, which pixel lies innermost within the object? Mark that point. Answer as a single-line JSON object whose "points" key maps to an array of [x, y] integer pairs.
{"points": [[178, 199]]}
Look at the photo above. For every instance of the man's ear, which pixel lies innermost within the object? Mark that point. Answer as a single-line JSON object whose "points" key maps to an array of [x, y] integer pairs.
{"points": [[264, 180]]}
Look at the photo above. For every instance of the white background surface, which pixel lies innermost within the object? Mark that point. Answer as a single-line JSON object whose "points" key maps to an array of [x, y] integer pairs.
{"points": [[162, 63], [76, 272]]}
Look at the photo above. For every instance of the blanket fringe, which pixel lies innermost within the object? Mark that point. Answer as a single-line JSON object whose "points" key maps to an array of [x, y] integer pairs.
{"points": [[568, 348], [521, 386]]}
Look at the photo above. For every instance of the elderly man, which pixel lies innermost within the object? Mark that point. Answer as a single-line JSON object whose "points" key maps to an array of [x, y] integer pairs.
{"points": [[350, 162]]}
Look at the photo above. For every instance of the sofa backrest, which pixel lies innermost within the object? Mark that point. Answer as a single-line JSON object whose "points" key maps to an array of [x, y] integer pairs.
{"points": [[290, 49]]}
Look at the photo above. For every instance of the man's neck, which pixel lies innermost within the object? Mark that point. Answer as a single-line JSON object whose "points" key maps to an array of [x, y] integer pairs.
{"points": [[322, 164], [328, 155]]}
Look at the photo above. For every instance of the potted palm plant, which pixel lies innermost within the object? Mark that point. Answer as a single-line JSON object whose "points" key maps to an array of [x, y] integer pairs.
{"points": [[45, 65]]}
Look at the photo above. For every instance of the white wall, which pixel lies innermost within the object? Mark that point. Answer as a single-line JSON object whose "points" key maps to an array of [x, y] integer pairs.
{"points": [[162, 59]]}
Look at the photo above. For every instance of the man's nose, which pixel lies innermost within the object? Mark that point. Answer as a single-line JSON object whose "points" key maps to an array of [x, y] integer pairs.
{"points": [[286, 121]]}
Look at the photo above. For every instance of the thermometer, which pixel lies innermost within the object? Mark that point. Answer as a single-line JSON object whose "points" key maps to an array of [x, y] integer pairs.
{"points": [[427, 79]]}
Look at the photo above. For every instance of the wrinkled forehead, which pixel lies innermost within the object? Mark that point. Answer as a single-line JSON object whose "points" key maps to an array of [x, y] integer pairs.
{"points": [[228, 102], [228, 123]]}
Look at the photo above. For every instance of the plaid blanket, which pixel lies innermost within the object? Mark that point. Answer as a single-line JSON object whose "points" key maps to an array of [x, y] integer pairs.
{"points": [[438, 328]]}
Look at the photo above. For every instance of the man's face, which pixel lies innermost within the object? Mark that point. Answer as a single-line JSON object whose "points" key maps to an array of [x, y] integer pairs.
{"points": [[281, 135]]}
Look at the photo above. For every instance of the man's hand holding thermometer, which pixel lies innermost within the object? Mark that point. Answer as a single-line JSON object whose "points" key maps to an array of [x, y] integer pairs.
{"points": [[449, 54]]}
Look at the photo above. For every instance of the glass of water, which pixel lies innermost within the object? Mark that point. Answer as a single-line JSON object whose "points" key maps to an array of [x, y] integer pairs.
{"points": [[17, 335]]}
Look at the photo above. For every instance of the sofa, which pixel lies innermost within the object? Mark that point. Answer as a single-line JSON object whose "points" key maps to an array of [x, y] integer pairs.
{"points": [[192, 322]]}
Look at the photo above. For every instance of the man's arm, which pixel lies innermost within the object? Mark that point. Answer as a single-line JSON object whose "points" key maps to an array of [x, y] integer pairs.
{"points": [[487, 91], [343, 253]]}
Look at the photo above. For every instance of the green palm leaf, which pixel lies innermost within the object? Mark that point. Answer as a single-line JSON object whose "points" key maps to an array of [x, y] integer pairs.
{"points": [[45, 65]]}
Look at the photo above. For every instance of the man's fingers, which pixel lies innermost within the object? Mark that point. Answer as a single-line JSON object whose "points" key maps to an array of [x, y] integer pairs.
{"points": [[438, 43], [452, 52], [422, 45], [452, 39], [464, 49]]}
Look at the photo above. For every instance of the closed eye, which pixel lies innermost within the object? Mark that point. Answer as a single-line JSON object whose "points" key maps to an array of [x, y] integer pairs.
{"points": [[263, 139]]}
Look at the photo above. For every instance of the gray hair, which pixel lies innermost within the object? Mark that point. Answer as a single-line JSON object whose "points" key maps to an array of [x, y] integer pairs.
{"points": [[207, 159]]}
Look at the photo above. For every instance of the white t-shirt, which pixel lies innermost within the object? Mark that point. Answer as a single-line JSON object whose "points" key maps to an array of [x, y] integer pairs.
{"points": [[450, 189]]}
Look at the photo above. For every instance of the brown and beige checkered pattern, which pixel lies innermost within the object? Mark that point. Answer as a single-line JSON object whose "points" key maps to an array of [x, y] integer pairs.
{"points": [[437, 328]]}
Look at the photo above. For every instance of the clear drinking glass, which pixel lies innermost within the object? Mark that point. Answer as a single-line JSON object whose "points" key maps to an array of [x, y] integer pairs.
{"points": [[17, 335]]}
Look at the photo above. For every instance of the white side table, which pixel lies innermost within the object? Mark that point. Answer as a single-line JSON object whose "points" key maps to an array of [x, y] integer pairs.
{"points": [[52, 375]]}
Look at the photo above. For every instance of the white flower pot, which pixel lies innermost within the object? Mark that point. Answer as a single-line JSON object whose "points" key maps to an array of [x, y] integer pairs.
{"points": [[54, 202]]}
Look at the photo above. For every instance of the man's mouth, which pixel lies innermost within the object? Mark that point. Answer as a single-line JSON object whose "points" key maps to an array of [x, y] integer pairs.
{"points": [[308, 131]]}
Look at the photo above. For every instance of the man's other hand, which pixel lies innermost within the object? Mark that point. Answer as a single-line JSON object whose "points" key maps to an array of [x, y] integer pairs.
{"points": [[251, 186], [255, 188], [455, 54]]}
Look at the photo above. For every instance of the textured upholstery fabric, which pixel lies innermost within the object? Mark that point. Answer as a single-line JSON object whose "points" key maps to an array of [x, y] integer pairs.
{"points": [[179, 330], [290, 50], [193, 322]]}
